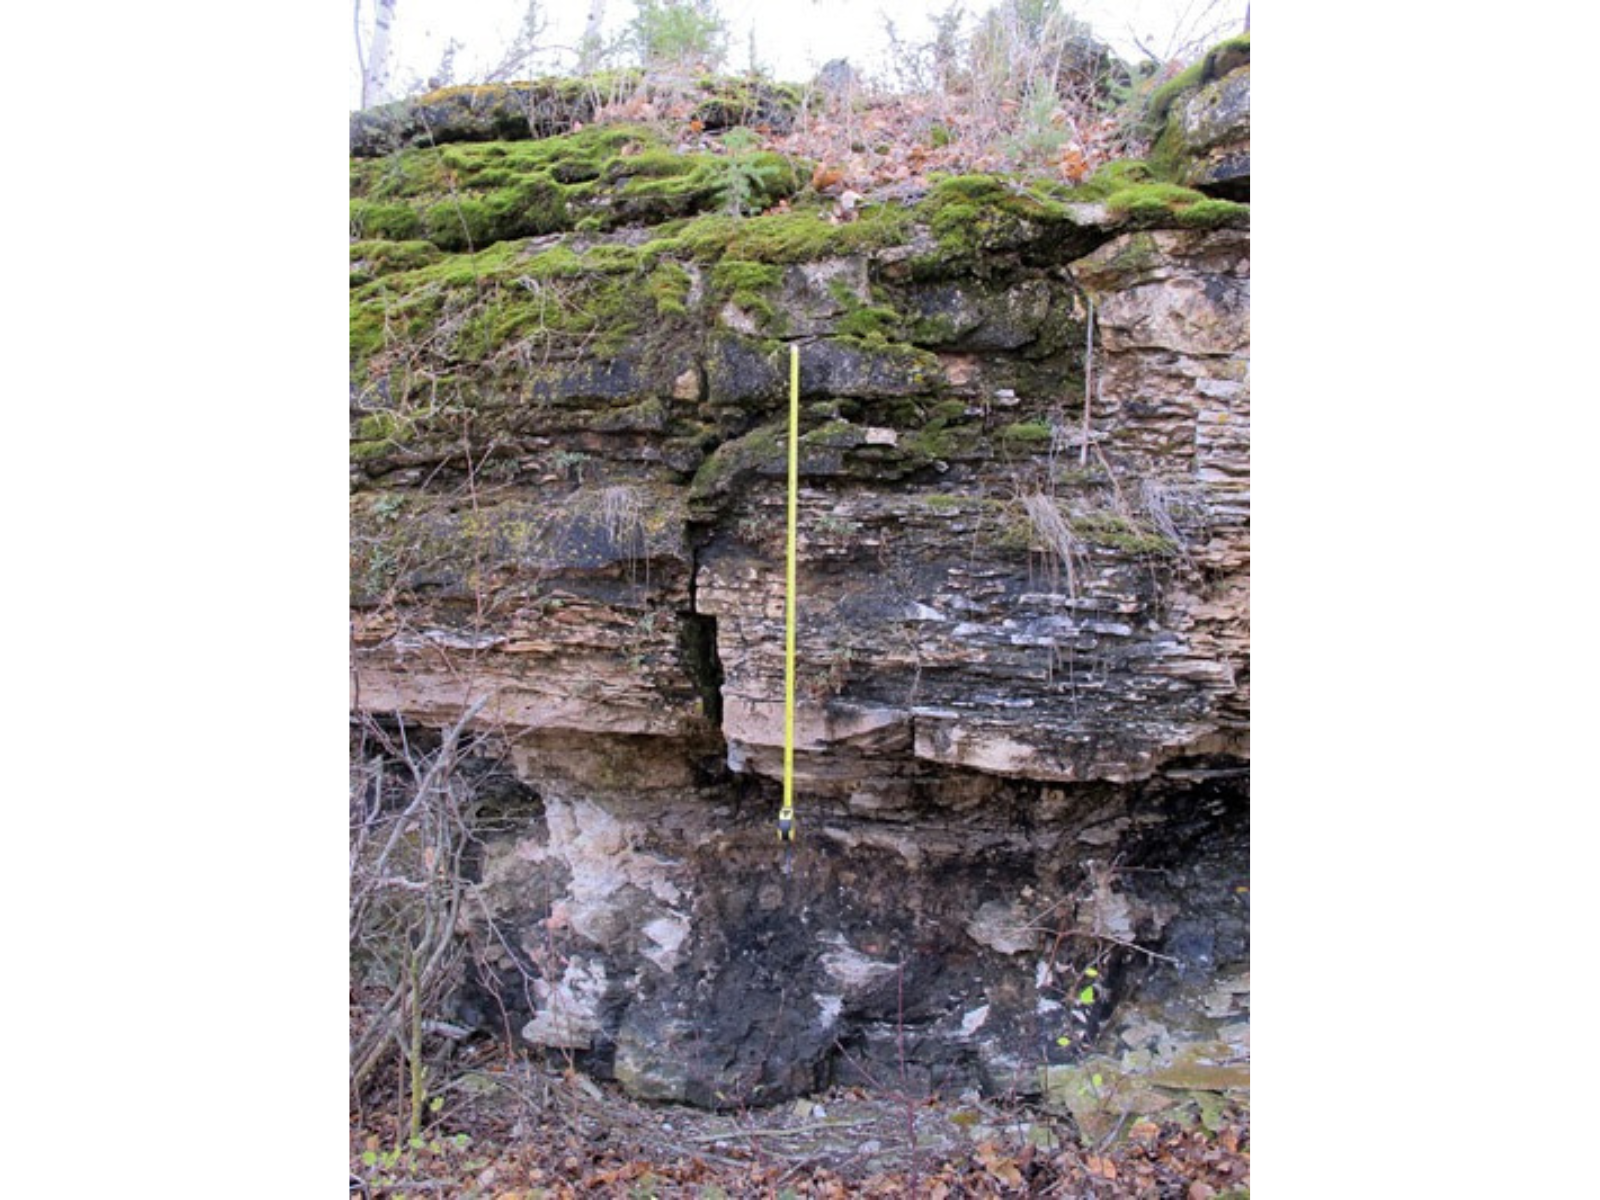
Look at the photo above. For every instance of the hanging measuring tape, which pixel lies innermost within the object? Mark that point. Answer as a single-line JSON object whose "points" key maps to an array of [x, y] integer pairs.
{"points": [[786, 819]]}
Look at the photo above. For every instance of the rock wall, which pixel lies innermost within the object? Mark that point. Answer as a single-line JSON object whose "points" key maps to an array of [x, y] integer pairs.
{"points": [[1023, 635]]}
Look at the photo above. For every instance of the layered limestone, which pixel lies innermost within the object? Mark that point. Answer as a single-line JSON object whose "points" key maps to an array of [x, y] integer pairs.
{"points": [[1023, 635]]}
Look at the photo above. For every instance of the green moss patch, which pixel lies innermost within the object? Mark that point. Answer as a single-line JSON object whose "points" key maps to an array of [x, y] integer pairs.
{"points": [[980, 220], [967, 213], [379, 434], [746, 284], [733, 460], [370, 259], [669, 285], [1218, 61], [396, 222], [1114, 177], [467, 196], [1026, 433], [1168, 204], [733, 102], [1120, 533], [478, 309], [791, 237]]}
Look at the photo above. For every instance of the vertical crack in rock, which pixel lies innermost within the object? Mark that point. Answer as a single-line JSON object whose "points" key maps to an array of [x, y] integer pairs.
{"points": [[697, 644], [698, 640]]}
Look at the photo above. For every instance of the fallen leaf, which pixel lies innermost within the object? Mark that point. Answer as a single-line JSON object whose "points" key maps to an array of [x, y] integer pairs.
{"points": [[1073, 165], [1102, 1167], [825, 178]]}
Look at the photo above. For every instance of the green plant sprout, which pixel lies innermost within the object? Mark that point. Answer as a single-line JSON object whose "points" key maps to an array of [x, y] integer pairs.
{"points": [[740, 177]]}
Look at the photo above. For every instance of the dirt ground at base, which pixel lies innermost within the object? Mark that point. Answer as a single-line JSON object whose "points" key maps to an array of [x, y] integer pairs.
{"points": [[516, 1130]]}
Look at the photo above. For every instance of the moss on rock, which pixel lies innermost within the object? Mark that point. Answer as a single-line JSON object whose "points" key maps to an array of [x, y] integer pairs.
{"points": [[485, 112], [466, 196], [981, 222], [730, 103], [1222, 58], [791, 237], [370, 259], [733, 460]]}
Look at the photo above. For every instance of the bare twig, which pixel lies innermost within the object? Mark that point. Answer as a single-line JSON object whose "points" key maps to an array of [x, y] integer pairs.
{"points": [[741, 1134], [1088, 377], [410, 907]]}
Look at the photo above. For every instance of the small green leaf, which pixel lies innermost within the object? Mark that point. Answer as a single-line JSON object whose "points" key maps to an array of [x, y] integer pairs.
{"points": [[1087, 995], [436, 1104], [370, 1158], [417, 1143], [1091, 973], [1096, 1079], [1063, 1040]]}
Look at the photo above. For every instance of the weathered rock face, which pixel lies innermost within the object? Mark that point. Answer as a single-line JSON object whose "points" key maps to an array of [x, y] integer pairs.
{"points": [[655, 935], [513, 111], [1023, 628], [1205, 142]]}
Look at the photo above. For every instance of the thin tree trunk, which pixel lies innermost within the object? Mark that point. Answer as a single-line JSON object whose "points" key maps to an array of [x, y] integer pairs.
{"points": [[589, 49], [375, 74], [361, 54]]}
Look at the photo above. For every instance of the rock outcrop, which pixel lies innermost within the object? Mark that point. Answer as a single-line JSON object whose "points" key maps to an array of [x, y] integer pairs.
{"points": [[1203, 120], [1022, 738], [547, 107]]}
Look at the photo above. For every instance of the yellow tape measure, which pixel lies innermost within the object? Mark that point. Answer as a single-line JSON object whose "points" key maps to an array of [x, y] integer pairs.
{"points": [[786, 821]]}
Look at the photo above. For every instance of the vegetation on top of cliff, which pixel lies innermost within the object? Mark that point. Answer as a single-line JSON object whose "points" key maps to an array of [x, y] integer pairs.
{"points": [[790, 236], [1131, 188], [469, 308], [466, 196], [652, 161], [504, 262], [370, 259], [1154, 205], [408, 300], [553, 105], [971, 216], [1023, 87], [1224, 57]]}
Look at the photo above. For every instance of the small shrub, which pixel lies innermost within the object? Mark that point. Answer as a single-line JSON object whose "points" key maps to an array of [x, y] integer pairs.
{"points": [[742, 178], [1040, 133], [678, 33]]}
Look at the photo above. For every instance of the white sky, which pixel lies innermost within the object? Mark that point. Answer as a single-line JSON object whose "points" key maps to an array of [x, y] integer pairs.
{"points": [[792, 37]]}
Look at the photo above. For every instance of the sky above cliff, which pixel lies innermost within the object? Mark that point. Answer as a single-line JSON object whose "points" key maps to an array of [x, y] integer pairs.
{"points": [[789, 39]]}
